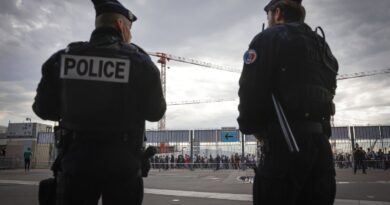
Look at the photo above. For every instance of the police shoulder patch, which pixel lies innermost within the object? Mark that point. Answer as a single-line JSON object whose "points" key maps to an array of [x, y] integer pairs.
{"points": [[250, 56]]}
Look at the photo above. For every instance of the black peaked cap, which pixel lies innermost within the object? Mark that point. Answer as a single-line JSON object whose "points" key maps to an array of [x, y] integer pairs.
{"points": [[273, 2], [113, 6]]}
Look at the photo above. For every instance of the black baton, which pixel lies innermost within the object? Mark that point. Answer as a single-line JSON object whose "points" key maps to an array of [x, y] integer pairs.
{"points": [[288, 135]]}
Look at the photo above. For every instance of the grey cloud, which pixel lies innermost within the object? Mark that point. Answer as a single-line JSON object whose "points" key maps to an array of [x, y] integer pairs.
{"points": [[186, 20], [201, 84], [367, 106], [13, 43], [364, 100], [34, 30], [201, 116], [214, 30], [355, 29], [15, 101], [8, 6], [12, 99]]}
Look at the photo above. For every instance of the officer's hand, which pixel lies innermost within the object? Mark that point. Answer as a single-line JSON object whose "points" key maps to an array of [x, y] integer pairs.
{"points": [[261, 136], [149, 152]]}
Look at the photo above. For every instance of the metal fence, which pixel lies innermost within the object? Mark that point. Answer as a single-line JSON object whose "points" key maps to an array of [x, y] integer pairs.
{"points": [[373, 137], [213, 143], [206, 142], [7, 163]]}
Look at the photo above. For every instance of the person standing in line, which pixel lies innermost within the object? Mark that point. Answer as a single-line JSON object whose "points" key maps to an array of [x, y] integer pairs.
{"points": [[359, 156], [101, 92], [4, 152], [27, 159], [292, 63]]}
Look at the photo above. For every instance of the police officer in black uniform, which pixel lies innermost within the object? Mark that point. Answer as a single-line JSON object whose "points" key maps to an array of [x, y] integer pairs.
{"points": [[292, 62], [101, 92]]}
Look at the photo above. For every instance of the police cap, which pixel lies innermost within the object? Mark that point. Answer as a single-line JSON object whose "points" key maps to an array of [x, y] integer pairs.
{"points": [[273, 2], [113, 6]]}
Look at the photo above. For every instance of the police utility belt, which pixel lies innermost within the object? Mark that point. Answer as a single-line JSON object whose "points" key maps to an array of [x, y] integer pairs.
{"points": [[66, 136], [298, 128]]}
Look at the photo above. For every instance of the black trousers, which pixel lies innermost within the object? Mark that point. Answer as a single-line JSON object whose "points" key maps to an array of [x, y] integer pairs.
{"points": [[94, 169], [27, 164], [307, 177], [357, 164]]}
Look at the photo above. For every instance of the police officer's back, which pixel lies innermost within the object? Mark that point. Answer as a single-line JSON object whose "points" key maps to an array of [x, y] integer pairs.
{"points": [[101, 92], [293, 63]]}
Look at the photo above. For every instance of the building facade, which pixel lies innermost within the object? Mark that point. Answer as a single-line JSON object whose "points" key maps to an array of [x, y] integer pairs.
{"points": [[3, 129], [26, 130], [21, 136]]}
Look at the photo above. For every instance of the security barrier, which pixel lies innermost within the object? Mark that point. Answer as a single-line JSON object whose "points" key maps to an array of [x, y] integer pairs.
{"points": [[7, 162], [201, 148]]}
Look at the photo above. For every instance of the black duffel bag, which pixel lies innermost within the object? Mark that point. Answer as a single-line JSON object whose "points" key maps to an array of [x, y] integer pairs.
{"points": [[47, 192]]}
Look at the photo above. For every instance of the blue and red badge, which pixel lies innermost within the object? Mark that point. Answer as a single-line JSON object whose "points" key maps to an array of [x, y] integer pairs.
{"points": [[250, 56]]}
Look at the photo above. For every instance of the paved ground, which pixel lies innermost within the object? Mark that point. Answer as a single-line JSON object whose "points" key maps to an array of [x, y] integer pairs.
{"points": [[203, 187]]}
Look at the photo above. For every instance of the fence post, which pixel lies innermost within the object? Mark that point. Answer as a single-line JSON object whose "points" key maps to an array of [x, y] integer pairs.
{"points": [[243, 147], [192, 146], [381, 137], [352, 135]]}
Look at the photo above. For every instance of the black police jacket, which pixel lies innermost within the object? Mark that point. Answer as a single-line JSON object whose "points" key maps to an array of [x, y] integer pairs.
{"points": [[103, 84], [295, 64]]}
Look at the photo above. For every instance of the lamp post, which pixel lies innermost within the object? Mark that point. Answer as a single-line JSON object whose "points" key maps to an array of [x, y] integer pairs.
{"points": [[182, 150], [28, 126]]}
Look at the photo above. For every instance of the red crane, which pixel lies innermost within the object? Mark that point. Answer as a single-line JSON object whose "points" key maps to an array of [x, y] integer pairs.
{"points": [[164, 58]]}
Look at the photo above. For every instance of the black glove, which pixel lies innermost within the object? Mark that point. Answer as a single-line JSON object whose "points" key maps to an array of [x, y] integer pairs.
{"points": [[148, 153]]}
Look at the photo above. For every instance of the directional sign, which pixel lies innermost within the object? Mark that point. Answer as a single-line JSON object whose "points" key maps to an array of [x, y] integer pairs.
{"points": [[229, 136]]}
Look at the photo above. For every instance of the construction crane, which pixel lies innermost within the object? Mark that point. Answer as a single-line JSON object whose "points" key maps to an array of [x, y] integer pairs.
{"points": [[191, 102], [340, 77], [164, 58], [363, 74]]}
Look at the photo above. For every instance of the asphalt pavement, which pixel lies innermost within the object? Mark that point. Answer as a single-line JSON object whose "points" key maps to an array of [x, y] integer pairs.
{"points": [[199, 187]]}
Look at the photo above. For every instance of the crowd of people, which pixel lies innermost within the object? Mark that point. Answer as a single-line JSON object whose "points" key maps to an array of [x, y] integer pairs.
{"points": [[363, 159], [359, 159], [234, 161]]}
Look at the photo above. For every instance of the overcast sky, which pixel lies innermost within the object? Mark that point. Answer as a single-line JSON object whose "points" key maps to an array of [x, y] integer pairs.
{"points": [[216, 31]]}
